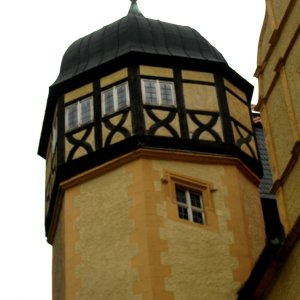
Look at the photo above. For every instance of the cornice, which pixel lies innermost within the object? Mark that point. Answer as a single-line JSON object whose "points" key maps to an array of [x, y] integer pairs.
{"points": [[159, 154]]}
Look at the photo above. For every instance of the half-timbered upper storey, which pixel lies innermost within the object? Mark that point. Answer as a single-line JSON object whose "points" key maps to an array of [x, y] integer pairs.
{"points": [[143, 83]]}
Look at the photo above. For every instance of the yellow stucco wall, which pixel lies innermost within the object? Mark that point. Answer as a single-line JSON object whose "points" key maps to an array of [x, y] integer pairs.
{"points": [[114, 77], [79, 92], [287, 284], [204, 273], [156, 71], [278, 9], [291, 192], [125, 240], [199, 96], [293, 81], [278, 74], [58, 261], [280, 127], [235, 90], [200, 76], [239, 110], [100, 238]]}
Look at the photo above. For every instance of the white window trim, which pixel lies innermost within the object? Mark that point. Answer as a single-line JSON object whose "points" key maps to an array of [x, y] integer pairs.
{"points": [[79, 115], [190, 208], [115, 98], [158, 92]]}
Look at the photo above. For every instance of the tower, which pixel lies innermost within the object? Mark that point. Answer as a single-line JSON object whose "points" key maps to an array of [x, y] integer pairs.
{"points": [[152, 167]]}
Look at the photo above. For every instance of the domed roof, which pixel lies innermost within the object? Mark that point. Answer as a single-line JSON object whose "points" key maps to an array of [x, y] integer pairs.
{"points": [[135, 33]]}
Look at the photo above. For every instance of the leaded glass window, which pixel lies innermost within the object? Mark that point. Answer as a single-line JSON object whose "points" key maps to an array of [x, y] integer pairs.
{"points": [[108, 100], [158, 92], [150, 92], [79, 113], [86, 110], [115, 99], [190, 205], [166, 93]]}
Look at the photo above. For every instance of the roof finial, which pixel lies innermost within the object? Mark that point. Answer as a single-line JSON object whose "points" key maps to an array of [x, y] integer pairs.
{"points": [[134, 10]]}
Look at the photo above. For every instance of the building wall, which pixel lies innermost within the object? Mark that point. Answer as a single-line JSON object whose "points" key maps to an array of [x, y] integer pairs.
{"points": [[279, 89], [120, 237], [201, 104], [58, 267], [287, 284]]}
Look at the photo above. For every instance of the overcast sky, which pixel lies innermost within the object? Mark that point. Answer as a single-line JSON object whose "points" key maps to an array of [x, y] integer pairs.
{"points": [[34, 37]]}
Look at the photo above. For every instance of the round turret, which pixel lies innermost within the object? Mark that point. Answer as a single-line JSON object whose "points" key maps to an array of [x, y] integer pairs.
{"points": [[143, 84]]}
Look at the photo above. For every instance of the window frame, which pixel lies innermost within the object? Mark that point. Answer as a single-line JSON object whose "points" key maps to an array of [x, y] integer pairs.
{"points": [[158, 92], [79, 116], [188, 204], [115, 104], [171, 180]]}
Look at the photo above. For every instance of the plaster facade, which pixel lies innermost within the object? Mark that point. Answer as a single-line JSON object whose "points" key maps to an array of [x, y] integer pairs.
{"points": [[123, 213], [279, 89]]}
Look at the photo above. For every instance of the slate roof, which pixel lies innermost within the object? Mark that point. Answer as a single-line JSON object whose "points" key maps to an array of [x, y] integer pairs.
{"points": [[135, 33], [133, 39], [266, 181]]}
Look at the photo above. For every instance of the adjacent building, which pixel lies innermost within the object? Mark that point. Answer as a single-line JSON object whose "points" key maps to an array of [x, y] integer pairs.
{"points": [[276, 274]]}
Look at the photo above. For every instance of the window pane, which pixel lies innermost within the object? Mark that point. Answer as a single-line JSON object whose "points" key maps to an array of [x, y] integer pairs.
{"points": [[196, 199], [71, 116], [54, 136], [183, 213], [121, 94], [198, 217], [180, 195], [150, 92], [166, 93], [86, 111], [108, 102]]}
